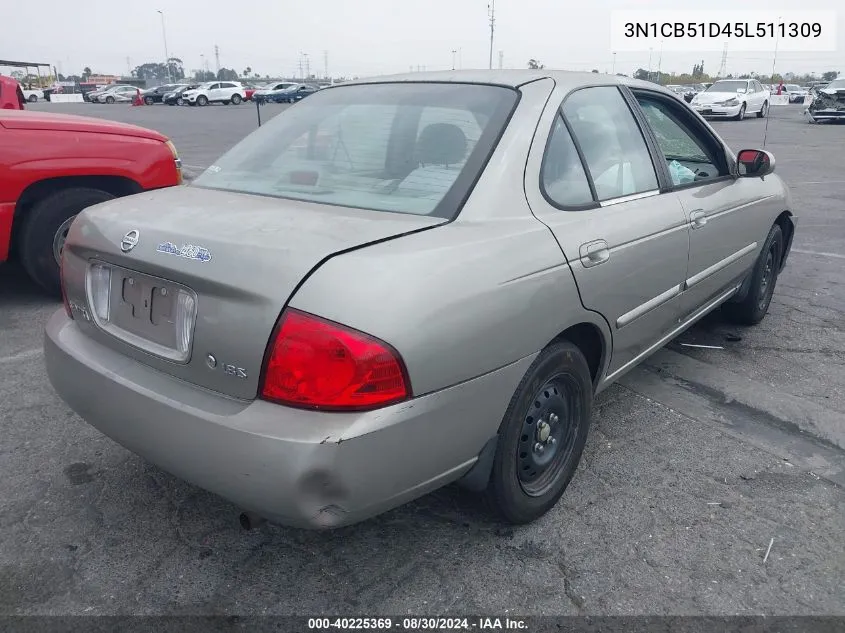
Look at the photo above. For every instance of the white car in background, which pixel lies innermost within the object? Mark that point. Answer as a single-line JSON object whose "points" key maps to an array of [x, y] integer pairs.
{"points": [[115, 94], [732, 99], [225, 92], [32, 95]]}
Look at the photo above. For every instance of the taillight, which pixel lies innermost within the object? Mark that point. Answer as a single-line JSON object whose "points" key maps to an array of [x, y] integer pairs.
{"points": [[319, 364]]}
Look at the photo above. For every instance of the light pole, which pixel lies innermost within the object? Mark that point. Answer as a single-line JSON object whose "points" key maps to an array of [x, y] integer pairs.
{"points": [[613, 68], [166, 54], [650, 50], [454, 52]]}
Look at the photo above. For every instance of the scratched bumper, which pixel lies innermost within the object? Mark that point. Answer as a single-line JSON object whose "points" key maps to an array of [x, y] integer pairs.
{"points": [[295, 467]]}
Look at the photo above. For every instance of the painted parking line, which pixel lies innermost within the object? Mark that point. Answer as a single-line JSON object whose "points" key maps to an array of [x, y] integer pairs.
{"points": [[25, 355], [818, 253]]}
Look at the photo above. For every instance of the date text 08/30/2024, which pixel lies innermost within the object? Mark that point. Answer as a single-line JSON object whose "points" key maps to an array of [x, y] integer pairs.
{"points": [[417, 624]]}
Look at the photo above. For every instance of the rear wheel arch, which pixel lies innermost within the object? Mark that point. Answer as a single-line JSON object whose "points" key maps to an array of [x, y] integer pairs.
{"points": [[117, 186], [593, 344]]}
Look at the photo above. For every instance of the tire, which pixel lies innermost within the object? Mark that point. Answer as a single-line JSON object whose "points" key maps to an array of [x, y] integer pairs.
{"points": [[236, 99], [32, 98], [764, 110], [202, 100], [533, 465], [741, 114], [39, 234], [764, 276], [180, 101], [109, 100], [149, 100]]}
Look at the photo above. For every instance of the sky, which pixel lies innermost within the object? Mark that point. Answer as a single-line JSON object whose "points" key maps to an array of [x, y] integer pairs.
{"points": [[367, 37]]}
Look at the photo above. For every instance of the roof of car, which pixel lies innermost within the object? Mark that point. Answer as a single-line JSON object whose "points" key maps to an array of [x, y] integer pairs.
{"points": [[509, 78]]}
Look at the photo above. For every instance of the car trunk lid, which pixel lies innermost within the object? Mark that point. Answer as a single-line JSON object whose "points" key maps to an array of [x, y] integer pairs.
{"points": [[237, 257]]}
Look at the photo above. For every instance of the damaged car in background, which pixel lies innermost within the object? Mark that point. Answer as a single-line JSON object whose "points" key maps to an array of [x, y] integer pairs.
{"points": [[828, 102]]}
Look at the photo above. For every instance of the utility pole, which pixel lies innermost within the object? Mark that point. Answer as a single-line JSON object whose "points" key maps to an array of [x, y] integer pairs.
{"points": [[660, 62], [166, 54], [492, 11], [300, 65], [723, 66], [326, 63], [613, 68], [217, 57], [501, 59], [650, 51], [307, 66], [128, 68]]}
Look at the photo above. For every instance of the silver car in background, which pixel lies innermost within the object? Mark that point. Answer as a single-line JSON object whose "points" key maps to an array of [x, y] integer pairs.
{"points": [[408, 282], [115, 94]]}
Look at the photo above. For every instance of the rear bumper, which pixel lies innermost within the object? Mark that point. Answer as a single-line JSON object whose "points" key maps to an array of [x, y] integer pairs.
{"points": [[295, 467]]}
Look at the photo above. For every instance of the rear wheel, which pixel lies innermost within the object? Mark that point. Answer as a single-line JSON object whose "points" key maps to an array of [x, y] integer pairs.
{"points": [[33, 98], [764, 276], [202, 100], [741, 114], [764, 110], [236, 99], [542, 435], [45, 228], [109, 100], [149, 100]]}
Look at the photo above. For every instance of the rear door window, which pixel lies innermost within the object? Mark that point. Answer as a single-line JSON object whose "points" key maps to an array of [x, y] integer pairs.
{"points": [[614, 149]]}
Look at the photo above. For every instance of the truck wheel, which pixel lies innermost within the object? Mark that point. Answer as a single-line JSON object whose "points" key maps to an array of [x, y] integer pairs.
{"points": [[542, 435], [45, 229]]}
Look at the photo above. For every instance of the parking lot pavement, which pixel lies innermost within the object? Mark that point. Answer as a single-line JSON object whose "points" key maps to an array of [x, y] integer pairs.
{"points": [[696, 463]]}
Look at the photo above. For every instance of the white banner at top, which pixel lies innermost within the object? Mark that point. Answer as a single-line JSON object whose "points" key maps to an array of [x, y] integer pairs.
{"points": [[703, 30]]}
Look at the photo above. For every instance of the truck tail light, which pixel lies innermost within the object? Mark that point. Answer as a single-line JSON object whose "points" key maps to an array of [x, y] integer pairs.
{"points": [[318, 364]]}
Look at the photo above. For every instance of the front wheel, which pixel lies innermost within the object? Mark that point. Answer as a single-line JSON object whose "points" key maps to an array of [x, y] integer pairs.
{"points": [[109, 100], [45, 229], [741, 114], [236, 99], [542, 435], [764, 110], [764, 276], [33, 98], [202, 100]]}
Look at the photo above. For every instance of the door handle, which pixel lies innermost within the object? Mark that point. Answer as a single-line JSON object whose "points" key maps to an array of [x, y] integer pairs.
{"points": [[698, 218], [594, 253]]}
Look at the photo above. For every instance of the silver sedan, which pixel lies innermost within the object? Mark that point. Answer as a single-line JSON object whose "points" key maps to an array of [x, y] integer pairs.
{"points": [[407, 282]]}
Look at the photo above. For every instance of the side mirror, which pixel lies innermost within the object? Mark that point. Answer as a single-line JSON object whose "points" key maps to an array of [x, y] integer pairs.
{"points": [[755, 163]]}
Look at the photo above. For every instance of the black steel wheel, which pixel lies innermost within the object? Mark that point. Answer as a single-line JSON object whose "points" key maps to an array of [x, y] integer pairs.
{"points": [[754, 306], [542, 435]]}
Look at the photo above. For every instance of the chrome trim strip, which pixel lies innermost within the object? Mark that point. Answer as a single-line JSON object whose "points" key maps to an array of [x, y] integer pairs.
{"points": [[719, 265], [660, 343], [632, 197], [648, 306]]}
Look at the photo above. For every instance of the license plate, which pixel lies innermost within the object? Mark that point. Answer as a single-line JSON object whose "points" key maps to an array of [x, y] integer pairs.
{"points": [[147, 312]]}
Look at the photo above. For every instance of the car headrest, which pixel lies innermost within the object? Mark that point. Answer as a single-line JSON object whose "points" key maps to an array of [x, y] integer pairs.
{"points": [[441, 144]]}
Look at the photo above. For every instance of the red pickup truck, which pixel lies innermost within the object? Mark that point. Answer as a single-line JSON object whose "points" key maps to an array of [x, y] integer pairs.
{"points": [[52, 166]]}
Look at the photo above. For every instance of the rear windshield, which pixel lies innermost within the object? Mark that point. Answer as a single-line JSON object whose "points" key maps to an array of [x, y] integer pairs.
{"points": [[401, 147]]}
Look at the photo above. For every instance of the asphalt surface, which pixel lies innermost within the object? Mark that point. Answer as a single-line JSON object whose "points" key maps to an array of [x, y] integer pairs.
{"points": [[712, 481]]}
